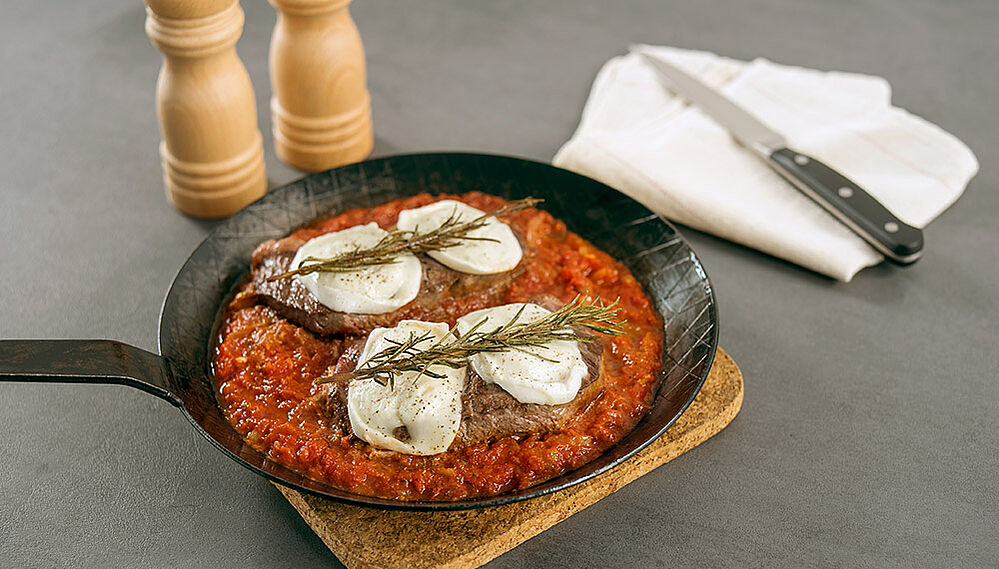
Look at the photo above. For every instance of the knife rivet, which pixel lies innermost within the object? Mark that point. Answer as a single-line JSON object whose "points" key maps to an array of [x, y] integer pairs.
{"points": [[845, 192], [800, 159], [891, 227]]}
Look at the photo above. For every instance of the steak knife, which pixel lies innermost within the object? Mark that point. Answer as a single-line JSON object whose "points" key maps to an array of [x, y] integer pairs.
{"points": [[898, 241]]}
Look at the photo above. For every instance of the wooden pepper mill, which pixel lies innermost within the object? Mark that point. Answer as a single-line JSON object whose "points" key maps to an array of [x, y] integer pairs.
{"points": [[321, 110], [213, 160]]}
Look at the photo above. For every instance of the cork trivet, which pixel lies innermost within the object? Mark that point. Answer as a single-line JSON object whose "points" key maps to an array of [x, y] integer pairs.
{"points": [[365, 537]]}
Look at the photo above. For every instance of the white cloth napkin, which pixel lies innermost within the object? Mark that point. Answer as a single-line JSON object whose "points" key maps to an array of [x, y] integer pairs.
{"points": [[650, 144]]}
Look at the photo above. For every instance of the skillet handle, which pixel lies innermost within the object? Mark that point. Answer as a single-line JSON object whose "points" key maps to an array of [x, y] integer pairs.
{"points": [[85, 361]]}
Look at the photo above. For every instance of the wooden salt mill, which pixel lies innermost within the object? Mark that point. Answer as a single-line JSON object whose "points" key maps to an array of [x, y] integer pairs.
{"points": [[321, 110], [213, 159]]}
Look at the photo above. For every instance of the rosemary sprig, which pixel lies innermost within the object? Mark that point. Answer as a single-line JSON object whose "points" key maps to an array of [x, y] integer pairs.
{"points": [[571, 322], [398, 242]]}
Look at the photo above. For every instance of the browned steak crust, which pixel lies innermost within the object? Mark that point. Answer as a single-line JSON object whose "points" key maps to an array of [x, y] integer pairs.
{"points": [[488, 412], [293, 301]]}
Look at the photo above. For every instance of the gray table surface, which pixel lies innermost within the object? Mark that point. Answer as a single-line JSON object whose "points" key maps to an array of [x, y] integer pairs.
{"points": [[868, 437]]}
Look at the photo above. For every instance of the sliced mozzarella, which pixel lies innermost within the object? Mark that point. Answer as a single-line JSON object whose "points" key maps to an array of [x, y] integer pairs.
{"points": [[472, 255], [369, 290], [428, 407], [551, 377]]}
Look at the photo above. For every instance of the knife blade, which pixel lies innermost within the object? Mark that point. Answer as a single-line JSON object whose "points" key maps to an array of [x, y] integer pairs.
{"points": [[853, 206]]}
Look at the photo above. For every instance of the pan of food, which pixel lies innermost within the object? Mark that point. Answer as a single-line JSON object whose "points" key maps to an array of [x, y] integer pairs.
{"points": [[423, 332]]}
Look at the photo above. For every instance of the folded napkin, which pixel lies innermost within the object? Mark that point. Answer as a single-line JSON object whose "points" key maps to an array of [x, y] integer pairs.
{"points": [[650, 144]]}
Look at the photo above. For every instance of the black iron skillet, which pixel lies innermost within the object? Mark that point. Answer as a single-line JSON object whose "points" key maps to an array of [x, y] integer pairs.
{"points": [[661, 260]]}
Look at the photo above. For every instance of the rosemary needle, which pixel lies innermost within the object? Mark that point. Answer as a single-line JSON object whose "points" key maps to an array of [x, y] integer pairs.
{"points": [[570, 323], [399, 242]]}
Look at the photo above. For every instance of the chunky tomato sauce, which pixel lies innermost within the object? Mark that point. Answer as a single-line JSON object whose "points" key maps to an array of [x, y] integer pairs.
{"points": [[264, 367]]}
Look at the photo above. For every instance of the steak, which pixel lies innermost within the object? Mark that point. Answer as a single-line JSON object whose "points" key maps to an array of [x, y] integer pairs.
{"points": [[488, 412], [440, 286]]}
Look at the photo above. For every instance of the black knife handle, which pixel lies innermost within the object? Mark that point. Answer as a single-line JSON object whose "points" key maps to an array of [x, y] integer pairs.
{"points": [[896, 240]]}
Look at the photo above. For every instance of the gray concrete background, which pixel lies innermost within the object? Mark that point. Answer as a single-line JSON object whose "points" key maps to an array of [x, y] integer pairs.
{"points": [[868, 437]]}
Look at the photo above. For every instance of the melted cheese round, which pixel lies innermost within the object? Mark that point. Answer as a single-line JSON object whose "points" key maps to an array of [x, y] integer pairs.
{"points": [[429, 408], [369, 290], [551, 379], [471, 256]]}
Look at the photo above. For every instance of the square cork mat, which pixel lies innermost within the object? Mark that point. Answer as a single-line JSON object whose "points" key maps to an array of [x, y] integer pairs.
{"points": [[366, 537]]}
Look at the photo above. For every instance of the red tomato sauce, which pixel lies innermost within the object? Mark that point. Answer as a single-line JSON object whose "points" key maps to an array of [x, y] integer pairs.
{"points": [[264, 367]]}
